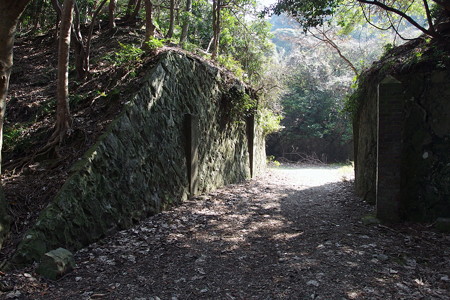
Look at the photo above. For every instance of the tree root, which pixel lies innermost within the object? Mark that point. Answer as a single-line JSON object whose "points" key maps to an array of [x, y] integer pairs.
{"points": [[49, 150]]}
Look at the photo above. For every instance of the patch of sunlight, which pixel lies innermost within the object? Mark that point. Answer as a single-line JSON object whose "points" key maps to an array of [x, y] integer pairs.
{"points": [[354, 294], [352, 264], [286, 236], [310, 176]]}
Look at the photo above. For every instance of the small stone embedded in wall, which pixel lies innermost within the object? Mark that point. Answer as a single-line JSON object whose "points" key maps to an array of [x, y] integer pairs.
{"points": [[425, 155]]}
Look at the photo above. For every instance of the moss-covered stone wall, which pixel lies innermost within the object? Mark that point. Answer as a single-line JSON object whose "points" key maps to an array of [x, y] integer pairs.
{"points": [[139, 165]]}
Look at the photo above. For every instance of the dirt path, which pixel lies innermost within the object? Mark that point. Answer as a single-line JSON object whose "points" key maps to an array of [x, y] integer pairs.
{"points": [[287, 235]]}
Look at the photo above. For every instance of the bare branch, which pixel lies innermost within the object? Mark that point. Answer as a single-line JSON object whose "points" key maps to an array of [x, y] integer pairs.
{"points": [[330, 42]]}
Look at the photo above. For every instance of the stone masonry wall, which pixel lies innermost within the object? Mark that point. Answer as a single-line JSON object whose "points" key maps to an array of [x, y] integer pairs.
{"points": [[365, 146], [139, 165], [424, 139]]}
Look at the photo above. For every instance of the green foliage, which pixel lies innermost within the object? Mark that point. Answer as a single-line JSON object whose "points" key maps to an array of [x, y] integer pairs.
{"points": [[101, 94], [308, 13], [270, 160], [190, 47], [154, 44], [248, 42], [128, 56], [244, 105], [349, 14], [231, 64], [75, 100], [313, 123], [269, 121], [46, 108], [12, 135], [351, 103], [387, 48]]}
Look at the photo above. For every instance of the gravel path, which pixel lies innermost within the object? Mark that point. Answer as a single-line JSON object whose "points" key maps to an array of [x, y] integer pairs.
{"points": [[295, 233]]}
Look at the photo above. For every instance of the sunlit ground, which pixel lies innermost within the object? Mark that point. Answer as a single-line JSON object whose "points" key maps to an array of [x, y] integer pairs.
{"points": [[311, 175]]}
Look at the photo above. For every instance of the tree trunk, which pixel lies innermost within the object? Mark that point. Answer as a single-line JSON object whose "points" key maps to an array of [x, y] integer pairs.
{"points": [[57, 8], [149, 27], [130, 6], [171, 19], [10, 11], [186, 21], [216, 28], [91, 31], [112, 9], [135, 13], [63, 119], [37, 15], [81, 60]]}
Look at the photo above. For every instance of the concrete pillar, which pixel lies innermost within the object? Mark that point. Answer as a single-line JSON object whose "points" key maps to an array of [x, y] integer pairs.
{"points": [[192, 136], [251, 143], [389, 148]]}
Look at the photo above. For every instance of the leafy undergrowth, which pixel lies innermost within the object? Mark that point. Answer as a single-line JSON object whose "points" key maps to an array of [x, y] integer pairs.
{"points": [[31, 180]]}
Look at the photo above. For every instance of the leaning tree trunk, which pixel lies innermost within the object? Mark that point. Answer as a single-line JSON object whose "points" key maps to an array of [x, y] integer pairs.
{"points": [[63, 119], [10, 11]]}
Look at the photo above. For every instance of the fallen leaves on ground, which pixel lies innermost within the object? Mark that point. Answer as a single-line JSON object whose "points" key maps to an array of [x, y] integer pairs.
{"points": [[276, 237]]}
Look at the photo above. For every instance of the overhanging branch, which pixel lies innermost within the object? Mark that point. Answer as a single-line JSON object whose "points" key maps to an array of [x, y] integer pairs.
{"points": [[429, 32]]}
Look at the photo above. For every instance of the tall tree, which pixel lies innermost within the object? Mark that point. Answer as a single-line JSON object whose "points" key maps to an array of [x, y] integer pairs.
{"points": [[186, 22], [63, 118], [171, 19], [216, 8], [10, 12], [149, 26]]}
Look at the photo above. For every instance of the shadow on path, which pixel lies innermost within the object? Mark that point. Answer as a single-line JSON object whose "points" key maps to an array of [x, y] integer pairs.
{"points": [[271, 238]]}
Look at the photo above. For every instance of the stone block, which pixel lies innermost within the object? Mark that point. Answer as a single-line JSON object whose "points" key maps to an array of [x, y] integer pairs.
{"points": [[56, 263]]}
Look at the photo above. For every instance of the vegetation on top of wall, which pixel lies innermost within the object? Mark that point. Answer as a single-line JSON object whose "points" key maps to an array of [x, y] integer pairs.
{"points": [[269, 121], [421, 54]]}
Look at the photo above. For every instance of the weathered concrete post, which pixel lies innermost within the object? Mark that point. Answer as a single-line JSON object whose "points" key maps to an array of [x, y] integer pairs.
{"points": [[390, 127], [251, 143], [191, 133]]}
